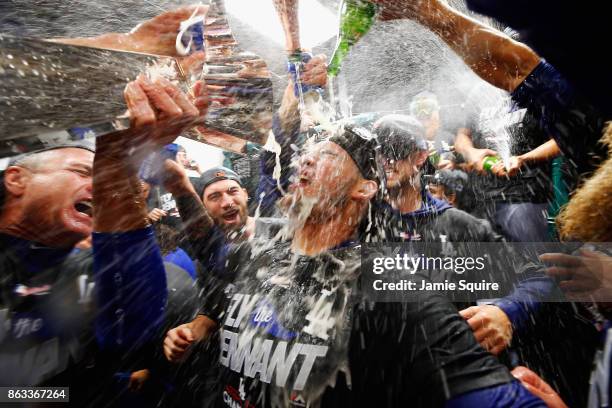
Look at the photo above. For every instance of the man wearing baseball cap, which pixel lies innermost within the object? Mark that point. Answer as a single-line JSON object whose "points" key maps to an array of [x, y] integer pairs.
{"points": [[68, 318], [453, 187], [409, 212], [214, 212], [296, 309]]}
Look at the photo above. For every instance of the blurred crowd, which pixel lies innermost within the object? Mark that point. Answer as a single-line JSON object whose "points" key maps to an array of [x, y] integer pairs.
{"points": [[194, 287]]}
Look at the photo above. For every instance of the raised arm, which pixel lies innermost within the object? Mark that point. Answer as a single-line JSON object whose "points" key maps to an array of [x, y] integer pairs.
{"points": [[198, 224], [288, 122], [473, 156], [155, 36], [128, 268], [492, 55]]}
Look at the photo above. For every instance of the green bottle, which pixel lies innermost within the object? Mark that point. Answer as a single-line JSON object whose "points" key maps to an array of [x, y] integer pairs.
{"points": [[489, 162], [356, 18]]}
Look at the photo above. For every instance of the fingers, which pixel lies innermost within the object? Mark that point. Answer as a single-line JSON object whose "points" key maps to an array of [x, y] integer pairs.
{"points": [[315, 71], [577, 286], [176, 343], [560, 272], [201, 98], [186, 334], [140, 110], [159, 98], [489, 152], [193, 63], [180, 99], [488, 326], [499, 169], [469, 312], [561, 259], [483, 333]]}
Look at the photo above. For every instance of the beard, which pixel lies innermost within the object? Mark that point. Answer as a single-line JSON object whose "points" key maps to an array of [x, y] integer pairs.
{"points": [[301, 210]]}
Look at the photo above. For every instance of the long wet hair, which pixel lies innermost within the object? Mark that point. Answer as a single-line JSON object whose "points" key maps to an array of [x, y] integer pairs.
{"points": [[587, 216]]}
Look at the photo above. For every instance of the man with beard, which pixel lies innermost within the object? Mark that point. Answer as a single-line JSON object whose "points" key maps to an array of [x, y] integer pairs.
{"points": [[295, 329], [409, 212], [72, 320], [557, 105], [224, 218]]}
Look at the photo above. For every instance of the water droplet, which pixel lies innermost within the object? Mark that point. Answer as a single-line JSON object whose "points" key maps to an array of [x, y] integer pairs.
{"points": [[11, 66], [9, 56]]}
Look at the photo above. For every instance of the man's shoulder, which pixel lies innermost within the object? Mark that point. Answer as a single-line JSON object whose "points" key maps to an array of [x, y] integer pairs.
{"points": [[268, 227], [457, 221]]}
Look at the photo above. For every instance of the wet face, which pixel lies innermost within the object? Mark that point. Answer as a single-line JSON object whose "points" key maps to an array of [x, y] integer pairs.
{"points": [[226, 202], [437, 191], [56, 198], [325, 175], [403, 172]]}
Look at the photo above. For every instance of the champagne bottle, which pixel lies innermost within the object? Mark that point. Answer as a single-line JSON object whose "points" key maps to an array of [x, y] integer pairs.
{"points": [[356, 18], [489, 162]]}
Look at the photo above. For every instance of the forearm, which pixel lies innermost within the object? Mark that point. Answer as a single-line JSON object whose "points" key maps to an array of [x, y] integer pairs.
{"points": [[288, 12], [113, 41], [524, 303], [463, 142], [196, 220], [117, 201], [203, 327], [286, 128], [288, 115], [493, 56], [544, 152]]}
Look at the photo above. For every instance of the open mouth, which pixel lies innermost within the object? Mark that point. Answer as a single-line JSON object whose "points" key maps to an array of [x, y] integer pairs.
{"points": [[303, 181], [230, 215], [84, 207]]}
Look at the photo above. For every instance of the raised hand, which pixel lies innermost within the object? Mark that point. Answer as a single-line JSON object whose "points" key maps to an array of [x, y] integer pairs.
{"points": [[175, 179], [315, 71]]}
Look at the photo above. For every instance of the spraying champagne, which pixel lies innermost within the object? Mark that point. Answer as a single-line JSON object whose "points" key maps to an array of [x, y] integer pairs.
{"points": [[356, 18]]}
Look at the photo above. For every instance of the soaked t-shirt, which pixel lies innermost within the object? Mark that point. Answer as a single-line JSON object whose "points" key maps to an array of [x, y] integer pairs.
{"points": [[296, 331], [64, 320]]}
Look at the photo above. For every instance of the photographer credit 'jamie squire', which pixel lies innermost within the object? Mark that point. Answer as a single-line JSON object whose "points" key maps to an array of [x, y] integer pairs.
{"points": [[409, 285]]}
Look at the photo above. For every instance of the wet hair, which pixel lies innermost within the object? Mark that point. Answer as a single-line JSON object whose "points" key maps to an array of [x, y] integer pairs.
{"points": [[587, 215], [359, 143], [455, 182], [399, 136], [31, 160]]}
